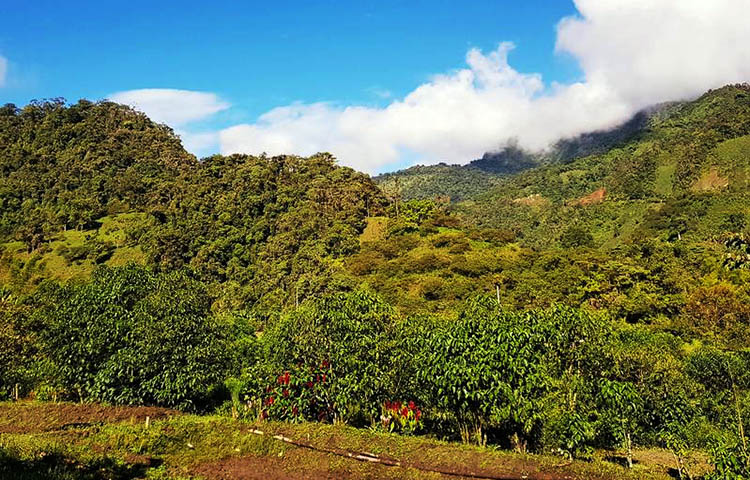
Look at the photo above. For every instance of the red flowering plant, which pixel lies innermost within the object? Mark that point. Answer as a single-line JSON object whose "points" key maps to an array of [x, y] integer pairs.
{"points": [[401, 417], [298, 394]]}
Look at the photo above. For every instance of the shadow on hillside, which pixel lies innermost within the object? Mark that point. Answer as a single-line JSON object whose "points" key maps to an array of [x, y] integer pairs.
{"points": [[55, 466]]}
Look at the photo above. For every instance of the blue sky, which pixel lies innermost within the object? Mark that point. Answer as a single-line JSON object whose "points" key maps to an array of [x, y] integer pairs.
{"points": [[259, 55], [381, 84]]}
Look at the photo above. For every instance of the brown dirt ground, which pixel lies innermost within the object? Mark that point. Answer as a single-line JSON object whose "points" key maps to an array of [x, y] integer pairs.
{"points": [[307, 466], [303, 463], [30, 417], [593, 198]]}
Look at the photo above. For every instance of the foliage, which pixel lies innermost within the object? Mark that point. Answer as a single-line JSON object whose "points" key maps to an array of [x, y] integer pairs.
{"points": [[299, 394], [401, 417], [598, 299], [622, 406], [130, 336], [354, 334]]}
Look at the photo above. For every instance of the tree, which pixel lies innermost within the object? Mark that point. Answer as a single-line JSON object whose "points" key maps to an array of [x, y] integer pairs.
{"points": [[622, 404]]}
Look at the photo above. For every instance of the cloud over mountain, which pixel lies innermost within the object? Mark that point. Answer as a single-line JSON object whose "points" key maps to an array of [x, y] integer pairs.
{"points": [[178, 109], [632, 53], [171, 106]]}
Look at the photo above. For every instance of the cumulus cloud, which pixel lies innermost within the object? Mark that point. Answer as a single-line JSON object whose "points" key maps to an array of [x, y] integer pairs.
{"points": [[170, 106], [632, 53], [3, 70], [656, 50], [199, 143], [178, 109]]}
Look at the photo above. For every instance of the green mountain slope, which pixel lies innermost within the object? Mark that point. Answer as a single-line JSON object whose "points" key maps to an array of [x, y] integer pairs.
{"points": [[98, 183], [63, 167], [462, 182], [686, 174]]}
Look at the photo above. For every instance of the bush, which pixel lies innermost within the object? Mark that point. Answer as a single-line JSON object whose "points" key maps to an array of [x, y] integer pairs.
{"points": [[485, 369], [433, 288], [354, 334], [576, 236], [299, 394], [130, 336], [18, 347]]}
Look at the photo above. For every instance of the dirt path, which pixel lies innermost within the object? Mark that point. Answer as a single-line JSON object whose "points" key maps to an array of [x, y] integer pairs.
{"points": [[32, 417]]}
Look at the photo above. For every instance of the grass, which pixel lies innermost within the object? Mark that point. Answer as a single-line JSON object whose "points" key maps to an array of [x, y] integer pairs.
{"points": [[24, 269], [191, 446], [663, 183]]}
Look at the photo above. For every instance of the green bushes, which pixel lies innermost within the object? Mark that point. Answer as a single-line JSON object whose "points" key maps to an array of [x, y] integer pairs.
{"points": [[556, 379], [354, 334], [18, 347], [526, 379], [130, 336], [485, 370]]}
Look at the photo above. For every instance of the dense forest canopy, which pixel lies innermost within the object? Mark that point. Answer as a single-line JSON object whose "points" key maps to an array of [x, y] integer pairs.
{"points": [[597, 297]]}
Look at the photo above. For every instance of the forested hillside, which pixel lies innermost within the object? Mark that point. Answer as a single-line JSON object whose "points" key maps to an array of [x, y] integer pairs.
{"points": [[598, 300], [100, 183]]}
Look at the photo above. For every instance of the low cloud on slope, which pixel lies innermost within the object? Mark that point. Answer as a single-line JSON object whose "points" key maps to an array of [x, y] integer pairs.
{"points": [[632, 53]]}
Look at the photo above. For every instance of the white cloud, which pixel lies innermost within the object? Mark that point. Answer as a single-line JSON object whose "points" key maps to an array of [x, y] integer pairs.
{"points": [[657, 50], [178, 109], [3, 70], [170, 106], [632, 53], [199, 143]]}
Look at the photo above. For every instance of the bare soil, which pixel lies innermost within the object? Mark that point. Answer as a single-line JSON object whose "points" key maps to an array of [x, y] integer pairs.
{"points": [[31, 417]]}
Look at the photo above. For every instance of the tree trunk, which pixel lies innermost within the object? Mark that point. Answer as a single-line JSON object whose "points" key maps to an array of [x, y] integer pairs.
{"points": [[629, 445]]}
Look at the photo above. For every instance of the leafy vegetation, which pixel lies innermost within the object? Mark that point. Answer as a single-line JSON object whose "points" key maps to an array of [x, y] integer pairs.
{"points": [[597, 301]]}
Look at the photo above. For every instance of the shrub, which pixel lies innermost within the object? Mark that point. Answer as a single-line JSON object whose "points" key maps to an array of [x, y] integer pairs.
{"points": [[130, 336], [18, 347], [486, 370], [576, 236], [433, 288], [401, 417], [731, 461], [354, 333], [299, 394]]}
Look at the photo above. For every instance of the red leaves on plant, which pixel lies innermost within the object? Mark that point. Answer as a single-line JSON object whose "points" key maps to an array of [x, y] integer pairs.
{"points": [[411, 405], [285, 392], [325, 364], [295, 410], [309, 384]]}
